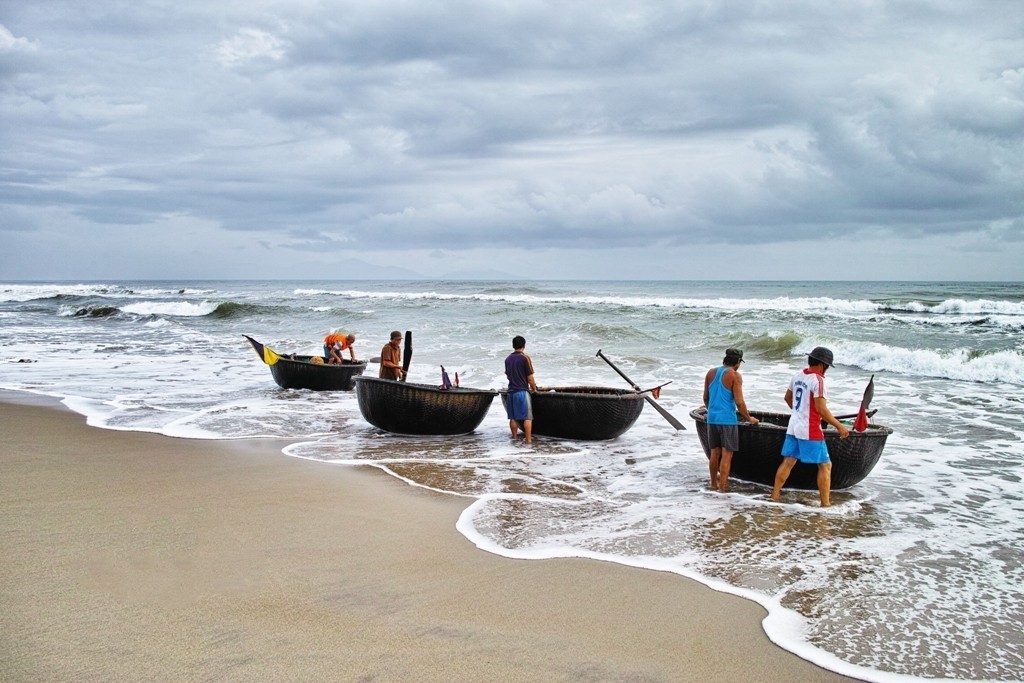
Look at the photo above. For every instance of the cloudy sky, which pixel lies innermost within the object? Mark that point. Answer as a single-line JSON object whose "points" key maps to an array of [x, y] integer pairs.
{"points": [[721, 139]]}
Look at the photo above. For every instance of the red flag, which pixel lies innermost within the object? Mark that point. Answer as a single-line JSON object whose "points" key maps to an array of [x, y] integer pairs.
{"points": [[656, 392], [861, 423]]}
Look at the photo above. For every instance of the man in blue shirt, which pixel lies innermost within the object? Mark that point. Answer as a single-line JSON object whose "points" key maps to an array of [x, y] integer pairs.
{"points": [[519, 370], [723, 395]]}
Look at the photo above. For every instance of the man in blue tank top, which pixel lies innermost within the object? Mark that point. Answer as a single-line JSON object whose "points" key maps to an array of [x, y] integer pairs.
{"points": [[723, 396]]}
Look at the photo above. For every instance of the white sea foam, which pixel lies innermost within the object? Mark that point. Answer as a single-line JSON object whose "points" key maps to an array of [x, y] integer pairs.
{"points": [[28, 292], [171, 308], [963, 307]]}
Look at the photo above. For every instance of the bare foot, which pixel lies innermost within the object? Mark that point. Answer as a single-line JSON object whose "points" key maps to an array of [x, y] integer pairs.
{"points": [[775, 497]]}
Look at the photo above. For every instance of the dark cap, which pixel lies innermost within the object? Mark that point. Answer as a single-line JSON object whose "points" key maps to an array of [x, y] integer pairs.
{"points": [[822, 355], [735, 354]]}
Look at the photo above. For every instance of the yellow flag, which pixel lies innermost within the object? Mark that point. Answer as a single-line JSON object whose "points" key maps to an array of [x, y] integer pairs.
{"points": [[269, 357]]}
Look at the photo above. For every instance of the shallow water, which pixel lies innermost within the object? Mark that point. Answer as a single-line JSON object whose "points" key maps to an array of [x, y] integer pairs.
{"points": [[916, 571]]}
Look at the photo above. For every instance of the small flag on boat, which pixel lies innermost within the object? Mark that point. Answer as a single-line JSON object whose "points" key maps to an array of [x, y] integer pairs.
{"points": [[265, 353], [656, 393], [445, 382], [456, 380], [861, 423]]}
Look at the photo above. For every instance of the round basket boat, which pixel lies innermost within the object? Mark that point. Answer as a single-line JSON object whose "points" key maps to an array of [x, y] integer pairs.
{"points": [[583, 413], [293, 371], [300, 372], [421, 409], [760, 451]]}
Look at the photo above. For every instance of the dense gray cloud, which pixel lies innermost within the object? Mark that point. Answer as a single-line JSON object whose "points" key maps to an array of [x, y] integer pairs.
{"points": [[573, 139]]}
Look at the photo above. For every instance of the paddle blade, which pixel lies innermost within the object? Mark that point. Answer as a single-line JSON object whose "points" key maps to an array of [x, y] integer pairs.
{"points": [[406, 355], [869, 393]]}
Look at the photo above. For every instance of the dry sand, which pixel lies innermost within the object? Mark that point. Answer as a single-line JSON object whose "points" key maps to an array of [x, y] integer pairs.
{"points": [[137, 557]]}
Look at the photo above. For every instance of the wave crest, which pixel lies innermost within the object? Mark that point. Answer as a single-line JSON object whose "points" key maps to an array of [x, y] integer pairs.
{"points": [[968, 365], [171, 308]]}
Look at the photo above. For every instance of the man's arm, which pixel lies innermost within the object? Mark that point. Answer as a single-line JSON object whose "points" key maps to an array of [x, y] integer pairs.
{"points": [[789, 398], [737, 395], [529, 376], [826, 415]]}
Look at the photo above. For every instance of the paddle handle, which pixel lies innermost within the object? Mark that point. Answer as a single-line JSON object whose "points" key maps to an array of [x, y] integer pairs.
{"points": [[621, 373], [870, 413], [664, 413]]}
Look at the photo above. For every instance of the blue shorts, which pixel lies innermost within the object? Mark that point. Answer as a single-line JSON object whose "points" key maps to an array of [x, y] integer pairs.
{"points": [[814, 452], [519, 406]]}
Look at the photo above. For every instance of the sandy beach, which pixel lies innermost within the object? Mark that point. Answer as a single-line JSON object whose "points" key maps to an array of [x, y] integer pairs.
{"points": [[132, 557]]}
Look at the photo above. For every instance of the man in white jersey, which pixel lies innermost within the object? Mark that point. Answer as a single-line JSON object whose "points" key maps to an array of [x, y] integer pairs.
{"points": [[805, 440]]}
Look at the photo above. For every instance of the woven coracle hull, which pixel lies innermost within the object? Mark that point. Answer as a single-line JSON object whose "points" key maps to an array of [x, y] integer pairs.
{"points": [[421, 409], [296, 372], [760, 452], [583, 413]]}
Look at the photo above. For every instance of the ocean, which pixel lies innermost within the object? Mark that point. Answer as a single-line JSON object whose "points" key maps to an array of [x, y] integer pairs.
{"points": [[917, 572]]}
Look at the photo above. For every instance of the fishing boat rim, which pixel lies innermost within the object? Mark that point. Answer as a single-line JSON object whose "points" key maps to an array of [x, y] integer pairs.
{"points": [[426, 387], [701, 415], [587, 391]]}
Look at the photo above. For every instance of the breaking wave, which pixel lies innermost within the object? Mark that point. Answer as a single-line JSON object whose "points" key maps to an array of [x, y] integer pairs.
{"points": [[953, 307], [967, 365], [182, 309]]}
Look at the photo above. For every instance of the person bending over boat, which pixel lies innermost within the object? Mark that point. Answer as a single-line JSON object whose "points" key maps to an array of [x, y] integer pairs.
{"points": [[337, 342], [519, 370], [805, 440], [391, 358], [723, 396]]}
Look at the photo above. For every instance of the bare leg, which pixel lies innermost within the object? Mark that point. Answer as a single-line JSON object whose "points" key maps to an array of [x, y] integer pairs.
{"points": [[514, 426], [528, 429], [713, 463], [781, 475], [825, 483], [723, 470]]}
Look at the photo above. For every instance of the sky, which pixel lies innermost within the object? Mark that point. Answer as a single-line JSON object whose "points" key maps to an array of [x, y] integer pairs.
{"points": [[714, 139]]}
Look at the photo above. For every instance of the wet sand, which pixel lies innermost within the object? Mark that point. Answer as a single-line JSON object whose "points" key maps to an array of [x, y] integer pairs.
{"points": [[132, 557]]}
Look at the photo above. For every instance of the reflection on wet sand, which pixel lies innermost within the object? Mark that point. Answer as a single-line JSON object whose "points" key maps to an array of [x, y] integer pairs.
{"points": [[480, 478]]}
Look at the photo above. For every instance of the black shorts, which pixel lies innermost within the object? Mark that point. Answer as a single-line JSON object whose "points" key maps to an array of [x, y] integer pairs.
{"points": [[724, 436]]}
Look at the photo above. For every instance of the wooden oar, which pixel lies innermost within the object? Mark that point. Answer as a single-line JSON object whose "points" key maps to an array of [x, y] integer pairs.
{"points": [[650, 399], [406, 355], [870, 413]]}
